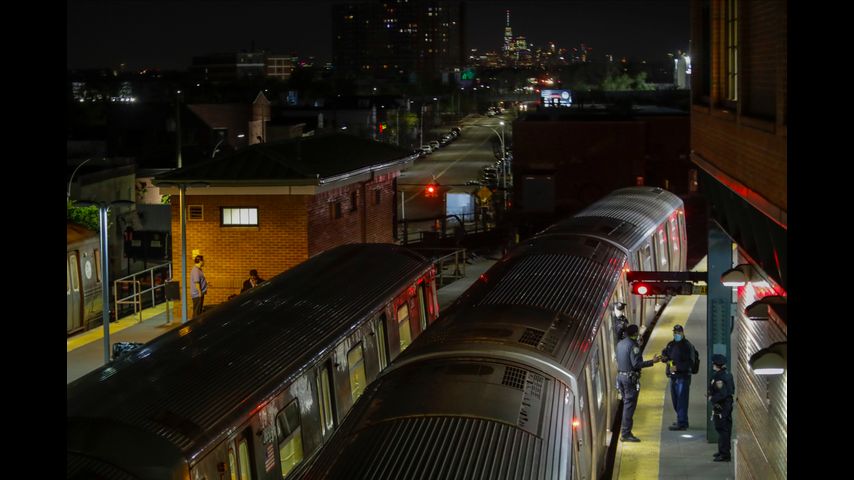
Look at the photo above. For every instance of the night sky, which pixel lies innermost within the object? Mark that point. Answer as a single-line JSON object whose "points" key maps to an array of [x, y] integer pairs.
{"points": [[167, 34]]}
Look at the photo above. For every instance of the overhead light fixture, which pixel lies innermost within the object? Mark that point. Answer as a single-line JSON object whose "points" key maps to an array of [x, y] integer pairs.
{"points": [[761, 309], [738, 276], [771, 360]]}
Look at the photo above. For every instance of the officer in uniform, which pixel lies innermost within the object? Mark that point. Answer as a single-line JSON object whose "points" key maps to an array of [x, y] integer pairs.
{"points": [[721, 390], [629, 364], [620, 321]]}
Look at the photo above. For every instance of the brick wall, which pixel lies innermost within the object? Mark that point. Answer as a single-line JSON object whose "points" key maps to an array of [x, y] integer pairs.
{"points": [[748, 142], [279, 242], [367, 223]]}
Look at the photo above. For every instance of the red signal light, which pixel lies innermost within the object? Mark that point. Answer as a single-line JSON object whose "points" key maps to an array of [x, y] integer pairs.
{"points": [[431, 190]]}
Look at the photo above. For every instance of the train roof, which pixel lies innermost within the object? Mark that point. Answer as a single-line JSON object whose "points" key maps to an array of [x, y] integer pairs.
{"points": [[186, 385], [626, 216], [547, 296]]}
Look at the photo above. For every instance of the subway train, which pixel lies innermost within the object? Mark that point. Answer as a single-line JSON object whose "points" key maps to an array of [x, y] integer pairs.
{"points": [[84, 298], [517, 379], [253, 387]]}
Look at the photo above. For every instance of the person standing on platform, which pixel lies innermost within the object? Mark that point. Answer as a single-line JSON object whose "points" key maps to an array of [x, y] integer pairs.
{"points": [[198, 286], [720, 393], [253, 281], [629, 365], [620, 321], [679, 355]]}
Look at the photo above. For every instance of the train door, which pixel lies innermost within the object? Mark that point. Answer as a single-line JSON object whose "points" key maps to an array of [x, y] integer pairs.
{"points": [[422, 317], [289, 436], [240, 456], [403, 327], [582, 443], [74, 301], [325, 397], [645, 264], [662, 251], [382, 341], [677, 264]]}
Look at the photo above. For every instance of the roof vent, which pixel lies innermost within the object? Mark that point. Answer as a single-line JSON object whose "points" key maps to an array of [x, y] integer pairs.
{"points": [[514, 378], [532, 337]]}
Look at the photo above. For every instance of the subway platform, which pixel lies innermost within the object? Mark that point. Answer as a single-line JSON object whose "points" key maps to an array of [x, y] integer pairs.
{"points": [[85, 352], [663, 454]]}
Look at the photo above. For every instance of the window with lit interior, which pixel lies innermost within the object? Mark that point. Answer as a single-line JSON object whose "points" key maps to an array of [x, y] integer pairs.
{"points": [[239, 217], [289, 434]]}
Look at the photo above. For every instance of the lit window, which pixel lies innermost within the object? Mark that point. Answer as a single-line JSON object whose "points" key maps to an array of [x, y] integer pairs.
{"points": [[289, 434], [239, 217], [403, 327], [356, 364], [732, 50]]}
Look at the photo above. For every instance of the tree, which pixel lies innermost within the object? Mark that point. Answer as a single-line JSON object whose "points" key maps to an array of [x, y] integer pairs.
{"points": [[86, 216]]}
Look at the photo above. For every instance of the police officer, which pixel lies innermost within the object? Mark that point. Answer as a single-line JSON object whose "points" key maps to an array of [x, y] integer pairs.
{"points": [[629, 364], [620, 321], [679, 355], [721, 390]]}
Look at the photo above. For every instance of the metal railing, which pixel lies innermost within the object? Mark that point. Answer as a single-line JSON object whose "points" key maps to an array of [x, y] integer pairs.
{"points": [[144, 289], [450, 226]]}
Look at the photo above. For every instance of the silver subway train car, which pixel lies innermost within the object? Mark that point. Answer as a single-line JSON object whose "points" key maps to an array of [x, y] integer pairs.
{"points": [[517, 380], [253, 388]]}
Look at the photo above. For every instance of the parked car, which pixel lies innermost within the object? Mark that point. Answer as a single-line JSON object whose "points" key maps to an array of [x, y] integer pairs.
{"points": [[426, 149], [435, 144]]}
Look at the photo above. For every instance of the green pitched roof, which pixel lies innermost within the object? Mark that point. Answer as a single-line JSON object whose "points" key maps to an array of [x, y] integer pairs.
{"points": [[298, 161]]}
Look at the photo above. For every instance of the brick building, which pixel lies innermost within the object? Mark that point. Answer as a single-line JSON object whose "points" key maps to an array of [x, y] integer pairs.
{"points": [[563, 161], [271, 206], [739, 121]]}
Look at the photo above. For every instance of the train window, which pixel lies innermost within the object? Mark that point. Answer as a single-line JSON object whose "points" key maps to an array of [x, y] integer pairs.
{"points": [[661, 249], [98, 264], [403, 327], [72, 260], [289, 431], [674, 243], [382, 351], [232, 463], [421, 308], [596, 370], [324, 391], [245, 470], [356, 363], [645, 258]]}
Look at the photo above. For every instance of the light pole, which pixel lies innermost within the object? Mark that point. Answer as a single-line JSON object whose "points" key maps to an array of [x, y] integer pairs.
{"points": [[71, 180], [503, 156], [103, 209]]}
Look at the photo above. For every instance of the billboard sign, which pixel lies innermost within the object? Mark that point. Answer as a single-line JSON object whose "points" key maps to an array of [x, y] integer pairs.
{"points": [[556, 98]]}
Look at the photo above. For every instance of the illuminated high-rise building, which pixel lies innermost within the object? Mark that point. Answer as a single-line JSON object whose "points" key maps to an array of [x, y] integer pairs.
{"points": [[398, 39], [508, 36]]}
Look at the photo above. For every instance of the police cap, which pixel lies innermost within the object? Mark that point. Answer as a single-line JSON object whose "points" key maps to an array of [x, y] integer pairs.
{"points": [[632, 330], [678, 328], [719, 359]]}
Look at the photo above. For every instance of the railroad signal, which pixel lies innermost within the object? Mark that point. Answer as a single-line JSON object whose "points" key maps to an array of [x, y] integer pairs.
{"points": [[431, 190], [662, 288]]}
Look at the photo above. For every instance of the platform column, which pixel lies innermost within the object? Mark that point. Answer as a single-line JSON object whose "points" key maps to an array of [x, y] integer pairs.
{"points": [[719, 313]]}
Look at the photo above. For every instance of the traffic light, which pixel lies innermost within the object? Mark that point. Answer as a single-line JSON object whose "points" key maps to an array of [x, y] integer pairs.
{"points": [[431, 190], [662, 288]]}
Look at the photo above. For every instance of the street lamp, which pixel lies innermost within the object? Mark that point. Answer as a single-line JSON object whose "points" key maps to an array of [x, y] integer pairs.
{"points": [[103, 208], [71, 180]]}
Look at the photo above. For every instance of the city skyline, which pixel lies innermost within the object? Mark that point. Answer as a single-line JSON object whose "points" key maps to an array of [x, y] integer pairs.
{"points": [[167, 34]]}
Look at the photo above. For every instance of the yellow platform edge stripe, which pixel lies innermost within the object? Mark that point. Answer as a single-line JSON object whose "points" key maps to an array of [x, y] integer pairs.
{"points": [[97, 333]]}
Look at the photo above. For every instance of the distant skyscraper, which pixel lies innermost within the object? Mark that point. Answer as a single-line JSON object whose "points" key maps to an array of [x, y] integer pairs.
{"points": [[508, 35], [398, 39]]}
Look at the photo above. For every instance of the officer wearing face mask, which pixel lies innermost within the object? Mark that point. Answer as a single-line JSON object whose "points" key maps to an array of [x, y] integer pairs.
{"points": [[679, 355], [629, 365], [720, 392]]}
